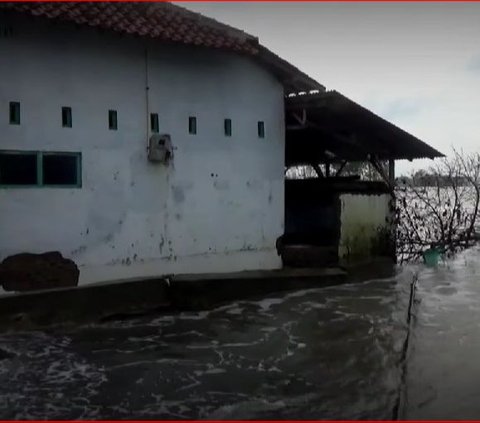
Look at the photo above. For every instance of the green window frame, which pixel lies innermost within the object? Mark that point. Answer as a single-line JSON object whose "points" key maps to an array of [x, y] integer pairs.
{"points": [[67, 117], [227, 127], [14, 113], [42, 170], [154, 125], [112, 120], [261, 129], [192, 125]]}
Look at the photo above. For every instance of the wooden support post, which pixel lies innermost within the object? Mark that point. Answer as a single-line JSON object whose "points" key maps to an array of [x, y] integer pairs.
{"points": [[342, 166], [392, 208], [381, 172], [327, 169], [317, 169], [391, 171]]}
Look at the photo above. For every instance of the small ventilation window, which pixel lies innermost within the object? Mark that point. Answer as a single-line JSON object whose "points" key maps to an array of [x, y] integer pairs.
{"points": [[112, 120], [192, 125], [227, 126], [154, 125], [261, 129], [14, 113], [67, 117]]}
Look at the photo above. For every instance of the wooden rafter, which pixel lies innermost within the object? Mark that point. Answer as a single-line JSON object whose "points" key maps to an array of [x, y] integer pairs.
{"points": [[340, 169], [378, 167]]}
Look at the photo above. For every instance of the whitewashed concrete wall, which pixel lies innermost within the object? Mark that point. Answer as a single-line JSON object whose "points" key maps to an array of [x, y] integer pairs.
{"points": [[218, 208], [363, 223]]}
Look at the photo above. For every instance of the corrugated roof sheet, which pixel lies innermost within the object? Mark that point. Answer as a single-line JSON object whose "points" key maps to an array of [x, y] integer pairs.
{"points": [[339, 125]]}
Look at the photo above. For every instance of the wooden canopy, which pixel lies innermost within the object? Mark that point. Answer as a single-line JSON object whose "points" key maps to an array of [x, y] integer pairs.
{"points": [[327, 127]]}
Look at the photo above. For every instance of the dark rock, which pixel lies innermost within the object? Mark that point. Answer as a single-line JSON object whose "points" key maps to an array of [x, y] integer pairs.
{"points": [[29, 272], [4, 355]]}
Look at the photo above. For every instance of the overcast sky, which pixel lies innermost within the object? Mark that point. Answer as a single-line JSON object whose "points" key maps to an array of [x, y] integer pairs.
{"points": [[415, 64]]}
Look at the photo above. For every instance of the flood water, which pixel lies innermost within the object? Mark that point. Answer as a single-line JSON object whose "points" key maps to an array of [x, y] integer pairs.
{"points": [[319, 354]]}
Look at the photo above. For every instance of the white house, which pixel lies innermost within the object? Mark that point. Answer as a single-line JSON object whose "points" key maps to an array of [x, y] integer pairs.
{"points": [[84, 87], [81, 95]]}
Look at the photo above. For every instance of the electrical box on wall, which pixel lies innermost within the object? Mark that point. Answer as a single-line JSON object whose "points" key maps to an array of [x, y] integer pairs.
{"points": [[160, 149]]}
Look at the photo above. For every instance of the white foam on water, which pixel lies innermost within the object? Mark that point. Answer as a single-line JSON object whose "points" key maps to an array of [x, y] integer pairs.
{"points": [[195, 382], [244, 410], [42, 371], [236, 310], [267, 303], [251, 409], [239, 344], [213, 371], [200, 315], [187, 333], [170, 361]]}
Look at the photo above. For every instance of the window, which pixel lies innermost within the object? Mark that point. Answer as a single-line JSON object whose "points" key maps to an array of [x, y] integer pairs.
{"points": [[18, 169], [112, 120], [60, 169], [154, 126], [14, 113], [67, 117], [192, 125], [261, 129], [37, 169], [227, 126]]}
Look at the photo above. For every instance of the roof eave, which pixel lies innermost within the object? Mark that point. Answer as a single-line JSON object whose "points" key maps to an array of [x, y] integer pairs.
{"points": [[292, 78], [336, 102]]}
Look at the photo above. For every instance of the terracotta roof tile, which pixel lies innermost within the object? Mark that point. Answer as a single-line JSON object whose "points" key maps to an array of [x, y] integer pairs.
{"points": [[160, 20], [169, 23]]}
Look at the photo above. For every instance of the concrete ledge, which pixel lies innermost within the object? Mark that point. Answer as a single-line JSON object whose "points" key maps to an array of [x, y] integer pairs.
{"points": [[125, 299], [189, 292], [81, 305]]}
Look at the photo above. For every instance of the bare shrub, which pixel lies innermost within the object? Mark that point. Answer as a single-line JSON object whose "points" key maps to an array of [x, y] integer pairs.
{"points": [[438, 208]]}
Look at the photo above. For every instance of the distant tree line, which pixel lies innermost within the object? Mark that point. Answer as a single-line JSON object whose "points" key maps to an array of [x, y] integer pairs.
{"points": [[423, 178]]}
